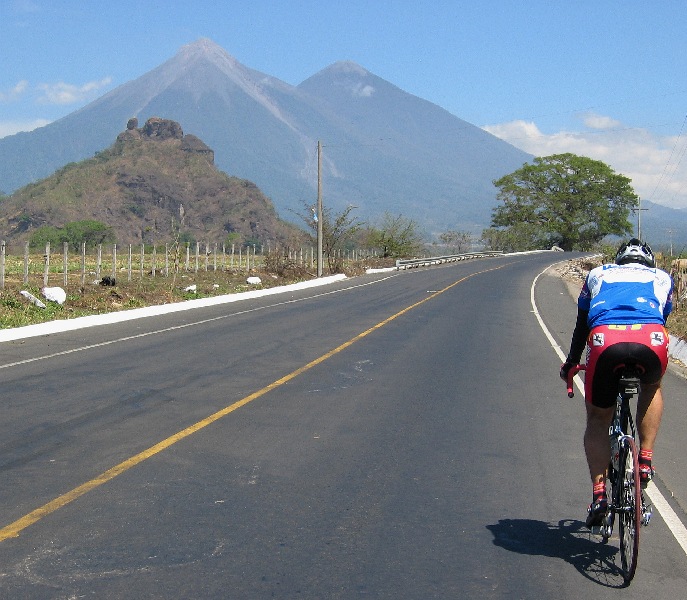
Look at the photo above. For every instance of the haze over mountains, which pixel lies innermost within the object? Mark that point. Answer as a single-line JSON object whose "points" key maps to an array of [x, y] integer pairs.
{"points": [[384, 150]]}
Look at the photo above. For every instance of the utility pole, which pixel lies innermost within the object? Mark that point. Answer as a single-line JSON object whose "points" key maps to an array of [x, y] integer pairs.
{"points": [[319, 209], [670, 232], [639, 210], [639, 220]]}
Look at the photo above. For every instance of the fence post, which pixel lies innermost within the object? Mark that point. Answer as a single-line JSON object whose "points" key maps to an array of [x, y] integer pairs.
{"points": [[26, 263], [2, 265], [65, 263], [114, 262], [46, 268], [99, 262], [128, 268], [83, 264]]}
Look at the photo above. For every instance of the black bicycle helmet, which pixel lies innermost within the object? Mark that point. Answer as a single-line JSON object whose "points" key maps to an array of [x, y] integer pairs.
{"points": [[635, 251]]}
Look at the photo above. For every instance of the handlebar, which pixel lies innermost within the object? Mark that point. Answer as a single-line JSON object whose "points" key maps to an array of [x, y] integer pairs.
{"points": [[571, 373]]}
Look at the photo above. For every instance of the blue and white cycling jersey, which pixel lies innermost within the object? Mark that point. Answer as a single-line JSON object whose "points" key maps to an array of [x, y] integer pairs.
{"points": [[625, 294]]}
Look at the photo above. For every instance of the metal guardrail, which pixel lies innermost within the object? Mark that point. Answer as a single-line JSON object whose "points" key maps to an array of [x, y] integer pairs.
{"points": [[438, 260]]}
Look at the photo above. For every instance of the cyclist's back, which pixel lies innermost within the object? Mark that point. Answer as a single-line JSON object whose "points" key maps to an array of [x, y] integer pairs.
{"points": [[627, 305], [628, 293]]}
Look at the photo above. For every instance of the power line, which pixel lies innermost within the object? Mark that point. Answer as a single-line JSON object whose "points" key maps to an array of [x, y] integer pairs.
{"points": [[670, 158]]}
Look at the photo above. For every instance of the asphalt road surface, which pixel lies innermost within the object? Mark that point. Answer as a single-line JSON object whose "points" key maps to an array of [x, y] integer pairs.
{"points": [[397, 435]]}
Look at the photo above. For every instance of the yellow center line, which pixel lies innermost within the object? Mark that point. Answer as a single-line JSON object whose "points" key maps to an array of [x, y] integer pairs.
{"points": [[15, 528]]}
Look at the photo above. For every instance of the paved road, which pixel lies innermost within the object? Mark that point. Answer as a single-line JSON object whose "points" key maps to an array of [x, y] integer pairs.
{"points": [[390, 436]]}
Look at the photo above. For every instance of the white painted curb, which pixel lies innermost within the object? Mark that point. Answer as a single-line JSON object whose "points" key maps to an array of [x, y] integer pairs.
{"points": [[17, 333]]}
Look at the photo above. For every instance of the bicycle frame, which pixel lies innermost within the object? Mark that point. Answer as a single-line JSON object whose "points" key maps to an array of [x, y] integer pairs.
{"points": [[626, 497]]}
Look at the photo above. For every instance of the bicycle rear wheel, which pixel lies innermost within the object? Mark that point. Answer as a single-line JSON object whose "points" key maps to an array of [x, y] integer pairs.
{"points": [[630, 508]]}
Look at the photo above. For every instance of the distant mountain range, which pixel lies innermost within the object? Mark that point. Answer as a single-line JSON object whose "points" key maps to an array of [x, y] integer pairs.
{"points": [[384, 150], [663, 227]]}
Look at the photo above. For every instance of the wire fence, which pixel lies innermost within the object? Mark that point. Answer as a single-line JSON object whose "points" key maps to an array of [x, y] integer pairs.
{"points": [[678, 269], [67, 266]]}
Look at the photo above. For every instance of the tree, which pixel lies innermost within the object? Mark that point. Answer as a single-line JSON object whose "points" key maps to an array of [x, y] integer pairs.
{"points": [[517, 238], [338, 232], [456, 241], [565, 200], [74, 233], [397, 237]]}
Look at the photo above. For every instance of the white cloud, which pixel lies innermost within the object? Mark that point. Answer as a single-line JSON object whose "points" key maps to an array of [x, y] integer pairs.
{"points": [[363, 91], [15, 93], [60, 94], [12, 127], [655, 164], [594, 121], [67, 93]]}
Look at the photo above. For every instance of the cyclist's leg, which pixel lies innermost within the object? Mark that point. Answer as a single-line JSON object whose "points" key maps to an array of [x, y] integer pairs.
{"points": [[652, 354], [600, 391], [596, 441], [649, 414], [600, 406], [598, 454]]}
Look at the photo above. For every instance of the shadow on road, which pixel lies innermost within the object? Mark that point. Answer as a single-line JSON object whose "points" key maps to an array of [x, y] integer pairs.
{"points": [[568, 540]]}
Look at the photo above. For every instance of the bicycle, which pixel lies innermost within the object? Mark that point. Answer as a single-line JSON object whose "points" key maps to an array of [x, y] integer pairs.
{"points": [[626, 498]]}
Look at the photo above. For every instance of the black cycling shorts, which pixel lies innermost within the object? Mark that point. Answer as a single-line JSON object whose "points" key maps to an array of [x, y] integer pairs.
{"points": [[612, 346]]}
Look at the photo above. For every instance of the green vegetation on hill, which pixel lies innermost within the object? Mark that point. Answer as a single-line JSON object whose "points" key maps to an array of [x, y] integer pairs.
{"points": [[154, 184]]}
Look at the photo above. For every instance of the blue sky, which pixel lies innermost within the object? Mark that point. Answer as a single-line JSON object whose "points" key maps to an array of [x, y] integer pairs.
{"points": [[598, 78]]}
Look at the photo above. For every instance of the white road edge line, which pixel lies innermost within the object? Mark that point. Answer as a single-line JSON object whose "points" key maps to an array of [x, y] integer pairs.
{"points": [[657, 499]]}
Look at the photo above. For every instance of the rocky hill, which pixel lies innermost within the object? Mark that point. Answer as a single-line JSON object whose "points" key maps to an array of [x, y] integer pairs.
{"points": [[152, 185], [385, 150]]}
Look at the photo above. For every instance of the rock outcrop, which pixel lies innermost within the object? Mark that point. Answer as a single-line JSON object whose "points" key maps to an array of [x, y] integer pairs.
{"points": [[154, 183]]}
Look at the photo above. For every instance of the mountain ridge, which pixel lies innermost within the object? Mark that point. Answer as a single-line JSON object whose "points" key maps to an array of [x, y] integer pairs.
{"points": [[265, 130], [384, 150]]}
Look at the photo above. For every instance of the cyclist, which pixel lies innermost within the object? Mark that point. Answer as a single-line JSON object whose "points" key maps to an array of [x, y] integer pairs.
{"points": [[621, 316]]}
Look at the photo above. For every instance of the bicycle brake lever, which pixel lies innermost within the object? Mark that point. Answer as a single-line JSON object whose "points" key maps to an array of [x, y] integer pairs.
{"points": [[571, 373]]}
